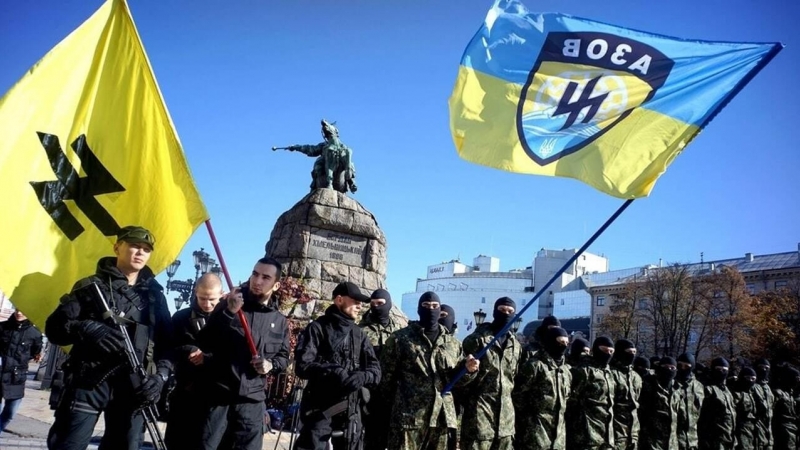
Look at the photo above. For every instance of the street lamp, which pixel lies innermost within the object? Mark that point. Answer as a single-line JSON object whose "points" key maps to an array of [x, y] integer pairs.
{"points": [[203, 263], [479, 316]]}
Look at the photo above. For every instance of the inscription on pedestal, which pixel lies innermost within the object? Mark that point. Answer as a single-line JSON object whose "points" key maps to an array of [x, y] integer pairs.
{"points": [[337, 247]]}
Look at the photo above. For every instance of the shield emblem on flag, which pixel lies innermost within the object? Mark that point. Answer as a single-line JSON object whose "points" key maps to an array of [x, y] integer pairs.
{"points": [[582, 85]]}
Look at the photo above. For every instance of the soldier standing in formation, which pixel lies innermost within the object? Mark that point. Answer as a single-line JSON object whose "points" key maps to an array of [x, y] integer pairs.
{"points": [[626, 396], [765, 402], [592, 401], [542, 388], [690, 398], [718, 413], [418, 361], [488, 421], [659, 418]]}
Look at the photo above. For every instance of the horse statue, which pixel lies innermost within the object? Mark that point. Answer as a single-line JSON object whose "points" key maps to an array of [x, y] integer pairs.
{"points": [[333, 168]]}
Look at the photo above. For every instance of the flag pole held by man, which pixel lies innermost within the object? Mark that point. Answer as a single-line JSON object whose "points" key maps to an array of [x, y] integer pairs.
{"points": [[556, 95]]}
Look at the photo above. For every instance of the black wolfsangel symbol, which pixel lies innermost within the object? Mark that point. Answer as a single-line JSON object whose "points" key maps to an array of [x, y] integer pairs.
{"points": [[574, 109], [71, 186]]}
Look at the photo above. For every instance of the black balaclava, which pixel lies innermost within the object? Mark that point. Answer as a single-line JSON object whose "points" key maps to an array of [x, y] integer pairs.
{"points": [[788, 379], [600, 357], [744, 374], [500, 320], [429, 318], [622, 357], [654, 361], [641, 365], [684, 375], [380, 314], [762, 373], [550, 344], [547, 322], [576, 350], [663, 374], [717, 376], [450, 320]]}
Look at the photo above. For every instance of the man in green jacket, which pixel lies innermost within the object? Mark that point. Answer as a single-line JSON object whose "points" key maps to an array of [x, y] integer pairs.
{"points": [[488, 421], [591, 405], [626, 395], [541, 390], [418, 362], [765, 401], [718, 414], [690, 394]]}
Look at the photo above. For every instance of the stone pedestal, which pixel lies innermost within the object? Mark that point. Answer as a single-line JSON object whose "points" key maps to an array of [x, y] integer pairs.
{"points": [[328, 238]]}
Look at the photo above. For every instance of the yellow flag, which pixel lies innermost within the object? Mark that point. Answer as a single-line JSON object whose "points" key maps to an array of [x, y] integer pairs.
{"points": [[88, 147]]}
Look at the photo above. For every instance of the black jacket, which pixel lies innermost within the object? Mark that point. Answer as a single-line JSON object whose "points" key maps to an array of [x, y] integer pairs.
{"points": [[232, 378], [143, 303], [19, 342], [327, 345], [187, 324]]}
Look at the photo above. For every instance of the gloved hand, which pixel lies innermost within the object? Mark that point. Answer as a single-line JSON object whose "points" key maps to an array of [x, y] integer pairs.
{"points": [[103, 337], [339, 375], [356, 381], [149, 391]]}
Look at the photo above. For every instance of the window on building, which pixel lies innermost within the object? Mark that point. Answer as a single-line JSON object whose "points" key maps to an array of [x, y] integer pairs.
{"points": [[562, 302], [781, 284], [601, 301], [483, 299], [751, 288], [598, 319]]}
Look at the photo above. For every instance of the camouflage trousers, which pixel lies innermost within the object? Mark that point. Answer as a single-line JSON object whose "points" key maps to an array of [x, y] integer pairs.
{"points": [[432, 438], [500, 443]]}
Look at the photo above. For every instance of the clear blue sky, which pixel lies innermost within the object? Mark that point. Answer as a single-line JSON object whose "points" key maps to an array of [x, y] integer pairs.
{"points": [[239, 77]]}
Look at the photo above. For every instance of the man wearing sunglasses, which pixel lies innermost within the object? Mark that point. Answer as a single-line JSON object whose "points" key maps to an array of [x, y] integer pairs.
{"points": [[98, 378]]}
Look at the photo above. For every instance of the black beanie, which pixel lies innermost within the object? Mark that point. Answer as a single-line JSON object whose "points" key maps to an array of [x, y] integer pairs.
{"points": [[720, 362], [747, 372], [761, 362], [667, 361], [556, 332], [550, 320], [641, 361], [687, 358], [622, 344], [602, 341], [505, 301]]}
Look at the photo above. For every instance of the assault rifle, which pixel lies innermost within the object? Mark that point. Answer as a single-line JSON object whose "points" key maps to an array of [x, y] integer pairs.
{"points": [[148, 411]]}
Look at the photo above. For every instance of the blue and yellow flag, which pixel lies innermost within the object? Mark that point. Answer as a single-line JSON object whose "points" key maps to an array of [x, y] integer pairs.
{"points": [[550, 94], [88, 147]]}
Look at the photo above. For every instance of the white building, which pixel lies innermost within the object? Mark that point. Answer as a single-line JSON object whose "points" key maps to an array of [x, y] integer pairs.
{"points": [[548, 262], [468, 288]]}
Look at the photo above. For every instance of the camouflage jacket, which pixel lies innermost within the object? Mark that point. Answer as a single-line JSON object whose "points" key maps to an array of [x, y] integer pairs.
{"points": [[717, 423], [784, 420], [488, 410], [659, 417], [746, 420], [415, 372], [628, 388], [541, 389], [765, 401], [592, 408], [378, 334], [690, 394]]}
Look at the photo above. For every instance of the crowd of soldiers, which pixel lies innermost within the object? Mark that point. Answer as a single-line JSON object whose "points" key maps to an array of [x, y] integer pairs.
{"points": [[557, 394], [374, 383]]}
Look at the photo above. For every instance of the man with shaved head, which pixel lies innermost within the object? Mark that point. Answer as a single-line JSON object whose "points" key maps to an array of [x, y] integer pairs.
{"points": [[186, 405]]}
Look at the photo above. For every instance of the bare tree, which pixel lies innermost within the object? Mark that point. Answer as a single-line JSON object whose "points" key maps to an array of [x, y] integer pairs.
{"points": [[623, 320], [671, 308], [732, 311]]}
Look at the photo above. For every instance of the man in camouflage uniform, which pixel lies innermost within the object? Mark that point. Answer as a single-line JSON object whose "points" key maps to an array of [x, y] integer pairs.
{"points": [[378, 325], [591, 404], [541, 390], [659, 415], [785, 415], [448, 318], [626, 396], [641, 365], [488, 421], [717, 422], [418, 361], [579, 353], [765, 402], [744, 397], [690, 394]]}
